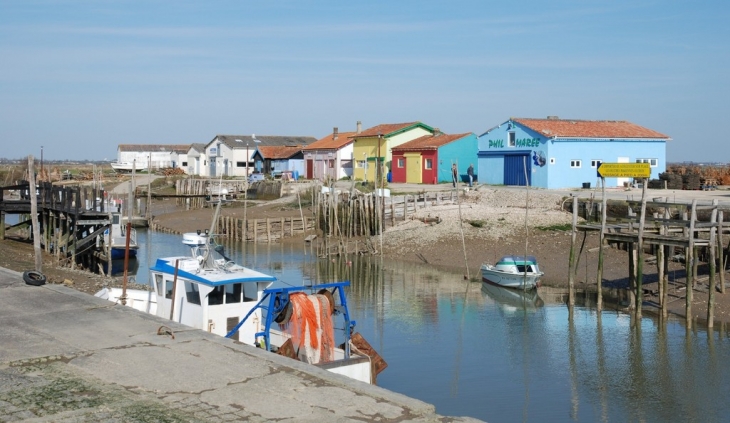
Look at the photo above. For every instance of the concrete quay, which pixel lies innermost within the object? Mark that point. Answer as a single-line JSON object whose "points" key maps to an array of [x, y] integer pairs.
{"points": [[66, 356]]}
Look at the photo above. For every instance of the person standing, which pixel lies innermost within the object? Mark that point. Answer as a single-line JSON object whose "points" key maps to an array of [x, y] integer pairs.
{"points": [[454, 174], [470, 172]]}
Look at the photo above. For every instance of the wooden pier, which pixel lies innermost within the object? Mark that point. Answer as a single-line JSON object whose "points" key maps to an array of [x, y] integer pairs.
{"points": [[666, 228], [71, 220]]}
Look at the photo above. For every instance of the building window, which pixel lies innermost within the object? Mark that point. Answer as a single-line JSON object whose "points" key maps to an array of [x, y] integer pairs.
{"points": [[243, 164], [428, 164], [575, 164], [401, 162], [511, 140], [652, 162], [184, 164], [331, 164], [361, 164], [595, 163], [552, 160]]}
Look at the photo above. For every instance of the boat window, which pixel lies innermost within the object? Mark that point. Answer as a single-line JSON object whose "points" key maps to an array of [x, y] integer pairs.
{"points": [[168, 289], [521, 268], [216, 296], [158, 283], [249, 292], [192, 293], [233, 293]]}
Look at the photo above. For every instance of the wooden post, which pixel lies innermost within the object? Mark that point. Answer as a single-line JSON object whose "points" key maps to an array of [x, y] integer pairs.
{"points": [[601, 241], [711, 287], [721, 251], [571, 257], [37, 252], [689, 261], [640, 255], [632, 275]]}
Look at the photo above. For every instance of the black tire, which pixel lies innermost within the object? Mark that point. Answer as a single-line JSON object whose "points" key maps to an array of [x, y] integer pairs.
{"points": [[31, 277], [285, 315]]}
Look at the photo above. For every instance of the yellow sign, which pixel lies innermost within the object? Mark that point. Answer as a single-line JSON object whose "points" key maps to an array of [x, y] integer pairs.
{"points": [[624, 170]]}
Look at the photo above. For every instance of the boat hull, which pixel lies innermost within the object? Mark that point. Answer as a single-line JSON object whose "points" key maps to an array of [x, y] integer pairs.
{"points": [[118, 253], [511, 280]]}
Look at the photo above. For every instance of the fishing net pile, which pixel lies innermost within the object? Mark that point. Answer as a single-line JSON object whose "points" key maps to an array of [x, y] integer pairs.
{"points": [[310, 327]]}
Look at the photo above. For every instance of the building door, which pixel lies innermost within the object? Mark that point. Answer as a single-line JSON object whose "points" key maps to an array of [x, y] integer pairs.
{"points": [[413, 168], [310, 169], [515, 168]]}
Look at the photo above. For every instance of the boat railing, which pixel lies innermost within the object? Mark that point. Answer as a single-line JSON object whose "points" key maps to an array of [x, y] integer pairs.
{"points": [[275, 302]]}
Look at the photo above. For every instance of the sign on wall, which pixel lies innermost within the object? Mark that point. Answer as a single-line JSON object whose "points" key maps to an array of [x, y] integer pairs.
{"points": [[624, 170]]}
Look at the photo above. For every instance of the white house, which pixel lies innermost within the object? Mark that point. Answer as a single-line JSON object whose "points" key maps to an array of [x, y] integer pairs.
{"points": [[154, 156], [197, 160], [231, 155], [329, 157]]}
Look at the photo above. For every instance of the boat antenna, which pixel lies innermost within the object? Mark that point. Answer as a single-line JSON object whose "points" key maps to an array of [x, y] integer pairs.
{"points": [[216, 214]]}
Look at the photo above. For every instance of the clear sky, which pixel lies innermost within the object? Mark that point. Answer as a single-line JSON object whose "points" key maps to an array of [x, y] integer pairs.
{"points": [[81, 77]]}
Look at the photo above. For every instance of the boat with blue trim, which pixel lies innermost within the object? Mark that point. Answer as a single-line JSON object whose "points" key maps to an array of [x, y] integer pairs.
{"points": [[222, 297]]}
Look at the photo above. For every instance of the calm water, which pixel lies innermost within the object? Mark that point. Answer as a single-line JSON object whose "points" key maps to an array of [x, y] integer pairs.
{"points": [[484, 352]]}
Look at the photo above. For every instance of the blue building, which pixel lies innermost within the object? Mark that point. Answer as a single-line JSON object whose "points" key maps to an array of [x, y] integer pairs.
{"points": [[565, 153]]}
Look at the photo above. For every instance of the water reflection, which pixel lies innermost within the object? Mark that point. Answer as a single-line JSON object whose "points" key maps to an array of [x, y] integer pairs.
{"points": [[489, 354]]}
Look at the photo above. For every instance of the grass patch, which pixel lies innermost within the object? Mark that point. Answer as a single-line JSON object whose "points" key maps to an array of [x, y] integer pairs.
{"points": [[561, 227]]}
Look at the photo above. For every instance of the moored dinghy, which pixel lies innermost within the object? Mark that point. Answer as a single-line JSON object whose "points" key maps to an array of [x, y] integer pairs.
{"points": [[519, 272]]}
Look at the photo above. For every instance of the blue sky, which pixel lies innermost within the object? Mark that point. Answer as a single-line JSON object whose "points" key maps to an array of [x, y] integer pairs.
{"points": [[81, 77]]}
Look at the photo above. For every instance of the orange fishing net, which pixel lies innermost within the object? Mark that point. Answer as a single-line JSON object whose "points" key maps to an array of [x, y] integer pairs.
{"points": [[310, 327]]}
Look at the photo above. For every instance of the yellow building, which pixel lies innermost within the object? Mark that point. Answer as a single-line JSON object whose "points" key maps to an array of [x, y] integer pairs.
{"points": [[373, 146]]}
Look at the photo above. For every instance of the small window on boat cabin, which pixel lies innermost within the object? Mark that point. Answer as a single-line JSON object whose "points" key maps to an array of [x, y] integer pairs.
{"points": [[595, 163], [521, 268], [168, 289], [215, 297], [158, 284], [575, 164], [249, 292], [233, 293], [192, 292], [511, 139]]}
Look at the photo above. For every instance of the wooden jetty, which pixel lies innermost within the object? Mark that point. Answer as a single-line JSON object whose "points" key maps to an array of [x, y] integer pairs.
{"points": [[71, 220], [667, 227]]}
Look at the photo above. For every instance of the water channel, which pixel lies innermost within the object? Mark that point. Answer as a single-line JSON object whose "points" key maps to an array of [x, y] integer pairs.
{"points": [[473, 350]]}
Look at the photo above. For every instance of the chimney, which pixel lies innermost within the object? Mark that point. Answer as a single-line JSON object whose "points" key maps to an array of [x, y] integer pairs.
{"points": [[335, 132], [359, 126]]}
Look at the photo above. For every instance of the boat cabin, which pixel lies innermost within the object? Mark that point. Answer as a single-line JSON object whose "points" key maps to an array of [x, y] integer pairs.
{"points": [[517, 264]]}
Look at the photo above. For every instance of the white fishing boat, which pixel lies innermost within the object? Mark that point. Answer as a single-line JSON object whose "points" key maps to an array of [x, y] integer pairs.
{"points": [[230, 300], [518, 272], [126, 167]]}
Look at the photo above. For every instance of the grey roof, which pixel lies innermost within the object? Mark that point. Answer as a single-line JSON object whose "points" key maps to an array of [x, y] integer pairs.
{"points": [[198, 146], [178, 148], [269, 140]]}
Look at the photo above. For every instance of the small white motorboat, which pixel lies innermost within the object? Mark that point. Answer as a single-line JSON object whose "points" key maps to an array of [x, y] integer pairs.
{"points": [[518, 272], [127, 167]]}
